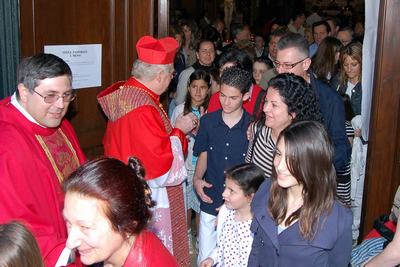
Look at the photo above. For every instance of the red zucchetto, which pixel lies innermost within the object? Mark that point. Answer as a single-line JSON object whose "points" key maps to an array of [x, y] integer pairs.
{"points": [[153, 51]]}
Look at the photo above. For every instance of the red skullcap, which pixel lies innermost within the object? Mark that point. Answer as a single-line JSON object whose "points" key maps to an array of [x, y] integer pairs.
{"points": [[155, 51]]}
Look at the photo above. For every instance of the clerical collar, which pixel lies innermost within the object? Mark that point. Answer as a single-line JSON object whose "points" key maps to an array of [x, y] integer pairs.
{"points": [[21, 109]]}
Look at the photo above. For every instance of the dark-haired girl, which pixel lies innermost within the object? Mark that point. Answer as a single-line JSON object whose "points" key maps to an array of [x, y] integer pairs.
{"points": [[234, 237], [196, 102], [18, 246], [298, 220]]}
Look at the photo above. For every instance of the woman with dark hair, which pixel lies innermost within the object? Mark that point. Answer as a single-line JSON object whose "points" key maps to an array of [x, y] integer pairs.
{"points": [[289, 98], [234, 57], [179, 66], [325, 61], [18, 247], [107, 208], [189, 42], [297, 219]]}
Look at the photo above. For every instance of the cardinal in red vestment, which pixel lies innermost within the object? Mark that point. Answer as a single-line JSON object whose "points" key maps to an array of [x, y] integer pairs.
{"points": [[138, 126]]}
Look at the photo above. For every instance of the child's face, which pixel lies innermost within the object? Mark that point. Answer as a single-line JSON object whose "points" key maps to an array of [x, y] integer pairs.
{"points": [[231, 99], [258, 69], [234, 196], [198, 90]]}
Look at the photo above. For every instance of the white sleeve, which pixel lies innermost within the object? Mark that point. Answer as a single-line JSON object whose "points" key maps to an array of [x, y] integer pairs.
{"points": [[221, 218], [174, 176], [181, 88], [178, 110]]}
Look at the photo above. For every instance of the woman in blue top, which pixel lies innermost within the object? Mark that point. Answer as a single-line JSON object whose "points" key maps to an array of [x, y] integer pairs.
{"points": [[297, 219]]}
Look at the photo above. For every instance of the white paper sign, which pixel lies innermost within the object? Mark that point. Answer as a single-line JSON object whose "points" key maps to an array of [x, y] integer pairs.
{"points": [[84, 61]]}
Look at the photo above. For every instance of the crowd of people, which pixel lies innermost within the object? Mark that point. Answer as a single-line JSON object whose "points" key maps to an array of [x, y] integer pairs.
{"points": [[255, 146]]}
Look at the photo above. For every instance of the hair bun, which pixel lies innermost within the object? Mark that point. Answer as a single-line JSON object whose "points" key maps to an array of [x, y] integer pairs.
{"points": [[135, 164], [137, 167]]}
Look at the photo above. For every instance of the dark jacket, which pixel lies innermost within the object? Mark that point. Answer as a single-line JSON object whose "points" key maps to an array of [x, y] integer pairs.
{"points": [[355, 99], [331, 245], [332, 109]]}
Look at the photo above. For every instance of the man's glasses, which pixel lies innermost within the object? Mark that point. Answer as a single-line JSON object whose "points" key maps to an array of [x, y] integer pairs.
{"points": [[287, 66], [171, 72], [51, 98]]}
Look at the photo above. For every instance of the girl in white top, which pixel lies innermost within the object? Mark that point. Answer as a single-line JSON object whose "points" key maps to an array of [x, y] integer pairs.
{"points": [[234, 238], [196, 102]]}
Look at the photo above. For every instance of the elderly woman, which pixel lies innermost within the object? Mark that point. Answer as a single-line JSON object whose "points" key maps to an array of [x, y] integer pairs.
{"points": [[107, 208], [289, 98]]}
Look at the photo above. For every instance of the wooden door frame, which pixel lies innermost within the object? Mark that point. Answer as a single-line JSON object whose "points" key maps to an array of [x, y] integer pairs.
{"points": [[383, 159], [163, 18]]}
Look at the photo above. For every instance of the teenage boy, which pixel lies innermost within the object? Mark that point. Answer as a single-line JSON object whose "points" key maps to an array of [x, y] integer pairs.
{"points": [[220, 144]]}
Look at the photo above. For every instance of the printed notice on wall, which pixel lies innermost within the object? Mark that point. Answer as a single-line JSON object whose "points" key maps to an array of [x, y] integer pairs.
{"points": [[84, 61]]}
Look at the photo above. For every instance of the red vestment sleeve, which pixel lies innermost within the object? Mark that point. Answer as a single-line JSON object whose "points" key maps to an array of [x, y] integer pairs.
{"points": [[141, 133]]}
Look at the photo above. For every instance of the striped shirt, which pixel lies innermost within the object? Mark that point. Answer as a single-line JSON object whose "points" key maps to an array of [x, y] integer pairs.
{"points": [[344, 176], [261, 149]]}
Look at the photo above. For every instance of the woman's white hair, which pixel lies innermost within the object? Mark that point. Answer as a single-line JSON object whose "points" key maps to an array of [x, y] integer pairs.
{"points": [[147, 72]]}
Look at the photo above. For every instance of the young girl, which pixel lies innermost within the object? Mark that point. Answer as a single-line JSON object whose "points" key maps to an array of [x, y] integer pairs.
{"points": [[196, 102], [297, 219], [18, 246], [260, 66], [235, 217]]}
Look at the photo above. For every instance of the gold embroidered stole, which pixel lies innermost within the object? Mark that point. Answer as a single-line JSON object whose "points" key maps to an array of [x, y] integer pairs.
{"points": [[60, 153]]}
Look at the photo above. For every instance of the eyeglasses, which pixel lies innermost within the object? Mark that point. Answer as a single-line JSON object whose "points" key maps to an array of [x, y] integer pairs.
{"points": [[171, 72], [287, 66], [51, 98]]}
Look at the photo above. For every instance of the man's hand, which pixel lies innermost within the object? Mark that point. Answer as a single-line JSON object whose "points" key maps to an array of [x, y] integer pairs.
{"points": [[207, 263], [249, 132], [187, 122], [196, 129], [357, 132], [199, 184]]}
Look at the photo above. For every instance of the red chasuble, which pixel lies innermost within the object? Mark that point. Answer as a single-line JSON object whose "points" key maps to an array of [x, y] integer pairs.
{"points": [[33, 162], [138, 126]]}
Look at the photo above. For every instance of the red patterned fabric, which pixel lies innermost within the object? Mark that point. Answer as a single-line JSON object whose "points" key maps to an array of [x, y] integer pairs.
{"points": [[138, 126], [148, 138], [33, 161], [179, 226]]}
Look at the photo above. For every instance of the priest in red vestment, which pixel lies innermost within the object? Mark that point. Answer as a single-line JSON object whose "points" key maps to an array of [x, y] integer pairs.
{"points": [[38, 149], [138, 126]]}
